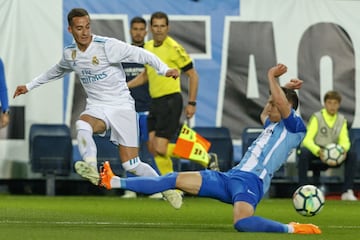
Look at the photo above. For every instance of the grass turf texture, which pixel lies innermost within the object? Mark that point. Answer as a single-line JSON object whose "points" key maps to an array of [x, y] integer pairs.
{"points": [[110, 217]]}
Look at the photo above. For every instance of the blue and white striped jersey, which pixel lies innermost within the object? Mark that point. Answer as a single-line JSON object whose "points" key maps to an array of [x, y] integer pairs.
{"points": [[272, 148]]}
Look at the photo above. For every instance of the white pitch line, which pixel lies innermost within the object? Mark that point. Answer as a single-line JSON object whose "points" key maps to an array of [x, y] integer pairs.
{"points": [[347, 227], [109, 223]]}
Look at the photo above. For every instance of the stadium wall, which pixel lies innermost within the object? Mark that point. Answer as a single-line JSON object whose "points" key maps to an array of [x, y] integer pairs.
{"points": [[236, 42]]}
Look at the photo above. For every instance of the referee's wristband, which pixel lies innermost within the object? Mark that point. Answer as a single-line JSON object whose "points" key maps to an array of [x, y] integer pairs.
{"points": [[6, 111], [192, 103]]}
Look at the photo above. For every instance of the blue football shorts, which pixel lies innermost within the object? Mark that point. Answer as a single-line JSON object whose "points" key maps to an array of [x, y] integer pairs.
{"points": [[231, 186]]}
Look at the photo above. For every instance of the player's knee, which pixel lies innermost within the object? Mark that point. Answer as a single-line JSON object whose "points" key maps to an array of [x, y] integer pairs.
{"points": [[82, 125]]}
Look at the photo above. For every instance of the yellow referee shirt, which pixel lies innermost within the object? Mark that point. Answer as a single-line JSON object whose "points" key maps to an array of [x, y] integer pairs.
{"points": [[175, 56]]}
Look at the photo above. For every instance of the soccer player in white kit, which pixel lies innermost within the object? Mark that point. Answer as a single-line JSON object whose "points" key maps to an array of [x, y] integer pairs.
{"points": [[97, 61]]}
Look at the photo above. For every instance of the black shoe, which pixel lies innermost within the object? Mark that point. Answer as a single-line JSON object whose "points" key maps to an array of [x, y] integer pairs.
{"points": [[213, 162]]}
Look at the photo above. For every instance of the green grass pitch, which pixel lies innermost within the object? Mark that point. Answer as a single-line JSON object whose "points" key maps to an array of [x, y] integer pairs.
{"points": [[110, 217]]}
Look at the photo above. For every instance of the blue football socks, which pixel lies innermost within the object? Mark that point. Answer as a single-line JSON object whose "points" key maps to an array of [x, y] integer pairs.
{"points": [[150, 185]]}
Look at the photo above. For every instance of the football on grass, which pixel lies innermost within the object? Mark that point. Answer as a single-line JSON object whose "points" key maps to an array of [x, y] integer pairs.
{"points": [[334, 154], [308, 200]]}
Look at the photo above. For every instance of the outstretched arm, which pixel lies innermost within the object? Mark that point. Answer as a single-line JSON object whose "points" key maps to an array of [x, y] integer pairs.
{"points": [[131, 53], [54, 73], [142, 78]]}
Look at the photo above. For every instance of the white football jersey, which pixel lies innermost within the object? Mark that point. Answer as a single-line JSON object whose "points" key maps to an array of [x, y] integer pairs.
{"points": [[99, 69]]}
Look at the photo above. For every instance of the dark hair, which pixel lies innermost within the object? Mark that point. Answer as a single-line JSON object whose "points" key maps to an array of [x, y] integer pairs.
{"points": [[76, 12], [332, 95], [159, 15], [137, 20], [291, 96]]}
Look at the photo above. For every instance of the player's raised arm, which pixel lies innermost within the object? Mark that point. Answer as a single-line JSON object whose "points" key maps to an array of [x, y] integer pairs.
{"points": [[278, 95]]}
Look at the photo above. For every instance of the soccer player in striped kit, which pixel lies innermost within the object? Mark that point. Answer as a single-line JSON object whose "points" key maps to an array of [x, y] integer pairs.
{"points": [[245, 184]]}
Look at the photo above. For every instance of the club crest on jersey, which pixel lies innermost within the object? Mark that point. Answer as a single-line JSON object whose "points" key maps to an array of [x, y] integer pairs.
{"points": [[95, 61], [73, 56]]}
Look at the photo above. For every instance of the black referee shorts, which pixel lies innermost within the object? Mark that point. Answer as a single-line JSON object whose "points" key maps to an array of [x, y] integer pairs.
{"points": [[164, 115]]}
